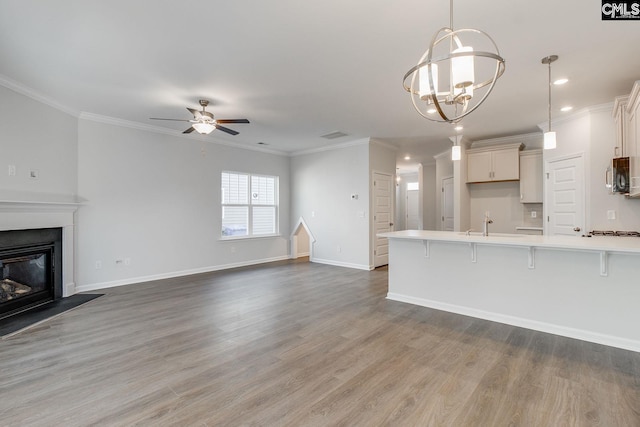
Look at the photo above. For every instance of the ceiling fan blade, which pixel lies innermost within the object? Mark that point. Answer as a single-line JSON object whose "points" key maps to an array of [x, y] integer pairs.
{"points": [[191, 129], [173, 120], [197, 114], [227, 130], [232, 121]]}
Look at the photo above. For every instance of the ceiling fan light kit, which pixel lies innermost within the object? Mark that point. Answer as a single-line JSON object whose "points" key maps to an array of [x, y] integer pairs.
{"points": [[452, 76], [204, 122]]}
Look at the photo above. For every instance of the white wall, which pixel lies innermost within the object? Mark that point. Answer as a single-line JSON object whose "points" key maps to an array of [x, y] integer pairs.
{"points": [[321, 186], [50, 147], [155, 199]]}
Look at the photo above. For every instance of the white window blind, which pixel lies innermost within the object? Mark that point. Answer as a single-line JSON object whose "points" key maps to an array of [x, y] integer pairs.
{"points": [[249, 205]]}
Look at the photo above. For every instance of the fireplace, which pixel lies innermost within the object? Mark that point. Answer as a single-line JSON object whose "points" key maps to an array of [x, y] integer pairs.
{"points": [[30, 269]]}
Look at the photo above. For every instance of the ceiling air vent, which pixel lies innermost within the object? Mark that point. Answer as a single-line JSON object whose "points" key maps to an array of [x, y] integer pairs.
{"points": [[334, 135]]}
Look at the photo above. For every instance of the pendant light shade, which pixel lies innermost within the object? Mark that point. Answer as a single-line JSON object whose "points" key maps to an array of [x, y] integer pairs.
{"points": [[549, 140], [455, 153], [452, 78], [549, 136]]}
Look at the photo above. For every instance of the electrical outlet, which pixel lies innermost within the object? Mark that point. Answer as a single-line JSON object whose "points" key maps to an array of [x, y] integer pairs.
{"points": [[534, 214], [12, 170], [98, 265], [127, 261], [339, 249], [611, 214]]}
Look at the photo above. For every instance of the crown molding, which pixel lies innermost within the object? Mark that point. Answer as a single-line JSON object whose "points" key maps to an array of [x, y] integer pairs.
{"points": [[363, 141], [584, 112], [384, 144], [528, 139], [36, 96]]}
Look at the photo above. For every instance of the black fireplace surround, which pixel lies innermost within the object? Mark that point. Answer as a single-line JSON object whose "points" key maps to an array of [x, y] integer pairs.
{"points": [[30, 269]]}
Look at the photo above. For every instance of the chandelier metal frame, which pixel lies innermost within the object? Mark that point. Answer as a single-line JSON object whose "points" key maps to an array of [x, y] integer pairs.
{"points": [[461, 100]]}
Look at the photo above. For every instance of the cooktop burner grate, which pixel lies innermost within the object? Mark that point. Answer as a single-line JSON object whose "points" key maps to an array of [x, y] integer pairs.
{"points": [[615, 233]]}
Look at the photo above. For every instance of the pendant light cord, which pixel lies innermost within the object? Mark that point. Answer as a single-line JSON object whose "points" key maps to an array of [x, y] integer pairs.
{"points": [[549, 96]]}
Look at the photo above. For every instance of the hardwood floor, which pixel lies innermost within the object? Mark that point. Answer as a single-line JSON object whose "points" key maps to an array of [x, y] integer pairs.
{"points": [[301, 344]]}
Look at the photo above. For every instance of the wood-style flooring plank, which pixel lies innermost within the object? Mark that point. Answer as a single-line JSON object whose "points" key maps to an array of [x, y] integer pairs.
{"points": [[301, 344]]}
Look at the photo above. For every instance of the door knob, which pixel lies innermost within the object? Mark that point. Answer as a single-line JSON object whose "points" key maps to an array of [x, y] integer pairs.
{"points": [[576, 229], [390, 224]]}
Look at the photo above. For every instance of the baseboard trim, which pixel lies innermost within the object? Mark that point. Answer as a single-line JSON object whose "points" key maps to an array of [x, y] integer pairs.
{"points": [[535, 325], [174, 274], [340, 264]]}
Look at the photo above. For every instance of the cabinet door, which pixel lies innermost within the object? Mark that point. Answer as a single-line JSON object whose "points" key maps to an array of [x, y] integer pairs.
{"points": [[506, 165], [479, 167], [531, 178]]}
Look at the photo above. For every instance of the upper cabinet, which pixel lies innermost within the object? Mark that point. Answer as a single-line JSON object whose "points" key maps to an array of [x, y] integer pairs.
{"points": [[494, 163], [531, 180], [620, 117], [632, 139]]}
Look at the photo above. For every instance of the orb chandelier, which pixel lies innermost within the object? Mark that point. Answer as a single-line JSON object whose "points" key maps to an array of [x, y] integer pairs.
{"points": [[455, 74]]}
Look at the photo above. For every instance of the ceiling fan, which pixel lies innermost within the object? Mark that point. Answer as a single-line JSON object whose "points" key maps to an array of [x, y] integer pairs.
{"points": [[204, 123]]}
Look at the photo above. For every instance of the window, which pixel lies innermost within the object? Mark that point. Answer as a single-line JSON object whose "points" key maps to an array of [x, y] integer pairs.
{"points": [[412, 186], [249, 205]]}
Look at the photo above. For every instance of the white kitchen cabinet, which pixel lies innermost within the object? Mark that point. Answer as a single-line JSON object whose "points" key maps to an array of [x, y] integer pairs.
{"points": [[494, 163], [620, 117], [632, 142], [531, 181]]}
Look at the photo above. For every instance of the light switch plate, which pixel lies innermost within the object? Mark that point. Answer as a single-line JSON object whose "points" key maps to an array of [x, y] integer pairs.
{"points": [[611, 214]]}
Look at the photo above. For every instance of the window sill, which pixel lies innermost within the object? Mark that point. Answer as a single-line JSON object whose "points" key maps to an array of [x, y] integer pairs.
{"points": [[235, 238]]}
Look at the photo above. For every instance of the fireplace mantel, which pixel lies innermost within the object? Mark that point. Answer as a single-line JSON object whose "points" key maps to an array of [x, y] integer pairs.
{"points": [[29, 210]]}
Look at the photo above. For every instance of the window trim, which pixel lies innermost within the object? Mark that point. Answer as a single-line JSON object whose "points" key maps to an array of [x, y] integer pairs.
{"points": [[250, 206]]}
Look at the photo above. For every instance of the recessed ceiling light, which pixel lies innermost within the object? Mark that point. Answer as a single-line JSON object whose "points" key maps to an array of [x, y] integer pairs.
{"points": [[567, 108], [560, 81], [407, 157], [431, 111], [458, 128]]}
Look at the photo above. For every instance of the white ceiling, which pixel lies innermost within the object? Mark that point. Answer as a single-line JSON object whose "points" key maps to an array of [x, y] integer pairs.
{"points": [[301, 69]]}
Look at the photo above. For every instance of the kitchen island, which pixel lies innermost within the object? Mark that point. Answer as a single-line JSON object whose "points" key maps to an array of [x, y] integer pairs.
{"points": [[580, 287]]}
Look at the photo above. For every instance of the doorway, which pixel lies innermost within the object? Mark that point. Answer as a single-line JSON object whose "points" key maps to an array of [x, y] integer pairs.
{"points": [[412, 201]]}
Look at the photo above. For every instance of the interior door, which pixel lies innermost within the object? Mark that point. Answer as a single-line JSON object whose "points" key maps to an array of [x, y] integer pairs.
{"points": [[382, 220], [413, 222], [447, 204], [564, 201]]}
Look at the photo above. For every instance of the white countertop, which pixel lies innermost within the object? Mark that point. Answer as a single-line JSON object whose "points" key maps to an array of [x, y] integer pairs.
{"points": [[597, 243]]}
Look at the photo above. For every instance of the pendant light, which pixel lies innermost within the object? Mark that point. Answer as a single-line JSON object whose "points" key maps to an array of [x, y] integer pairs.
{"points": [[549, 136], [446, 78]]}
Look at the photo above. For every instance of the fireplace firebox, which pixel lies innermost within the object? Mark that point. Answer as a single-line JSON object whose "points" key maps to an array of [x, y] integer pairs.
{"points": [[30, 269]]}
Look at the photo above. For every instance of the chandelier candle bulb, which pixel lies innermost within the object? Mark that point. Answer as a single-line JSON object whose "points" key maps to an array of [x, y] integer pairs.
{"points": [[424, 87], [462, 67]]}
